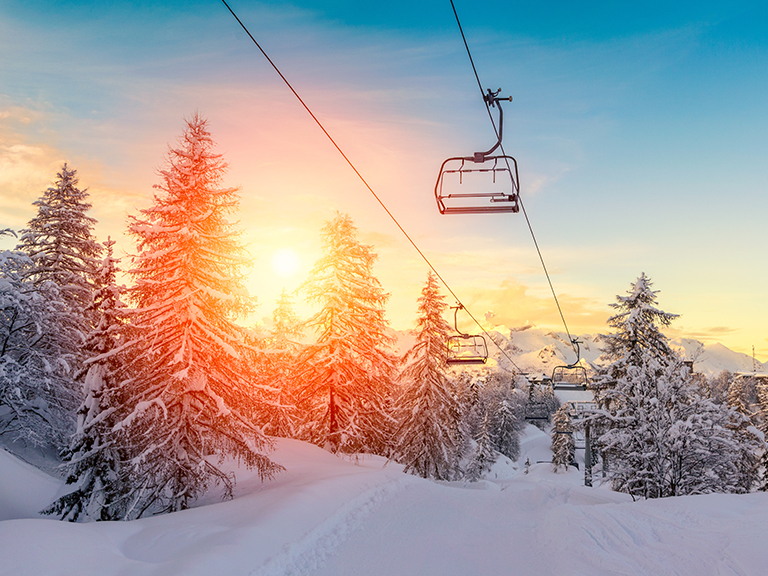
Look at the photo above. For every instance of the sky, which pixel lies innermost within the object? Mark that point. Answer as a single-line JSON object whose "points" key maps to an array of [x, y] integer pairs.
{"points": [[640, 132]]}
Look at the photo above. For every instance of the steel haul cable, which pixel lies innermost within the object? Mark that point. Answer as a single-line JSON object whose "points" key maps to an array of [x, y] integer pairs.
{"points": [[370, 189], [520, 199]]}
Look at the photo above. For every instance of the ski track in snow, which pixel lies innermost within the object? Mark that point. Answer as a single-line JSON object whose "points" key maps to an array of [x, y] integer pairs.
{"points": [[327, 516], [306, 555]]}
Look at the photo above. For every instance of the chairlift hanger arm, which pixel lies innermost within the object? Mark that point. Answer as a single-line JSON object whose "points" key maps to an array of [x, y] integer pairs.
{"points": [[459, 306], [575, 343], [493, 100]]}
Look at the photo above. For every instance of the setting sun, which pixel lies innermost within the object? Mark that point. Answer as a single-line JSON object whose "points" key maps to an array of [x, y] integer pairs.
{"points": [[285, 262]]}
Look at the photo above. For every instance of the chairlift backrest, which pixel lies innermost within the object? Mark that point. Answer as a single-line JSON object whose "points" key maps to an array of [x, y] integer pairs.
{"points": [[466, 349], [477, 184], [569, 378]]}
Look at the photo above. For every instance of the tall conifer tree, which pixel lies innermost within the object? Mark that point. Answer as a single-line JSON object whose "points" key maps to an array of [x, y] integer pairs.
{"points": [[637, 335], [428, 413], [37, 337], [94, 455], [189, 399], [59, 240], [47, 321], [346, 377]]}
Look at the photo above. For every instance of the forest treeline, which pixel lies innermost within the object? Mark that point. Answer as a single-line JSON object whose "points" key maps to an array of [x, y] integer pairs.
{"points": [[143, 392]]}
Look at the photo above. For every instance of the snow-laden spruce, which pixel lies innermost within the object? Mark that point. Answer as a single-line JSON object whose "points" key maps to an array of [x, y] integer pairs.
{"points": [[189, 396], [59, 240], [484, 456], [283, 346], [47, 288], [345, 379], [657, 432], [428, 437], [637, 334], [664, 438], [94, 454]]}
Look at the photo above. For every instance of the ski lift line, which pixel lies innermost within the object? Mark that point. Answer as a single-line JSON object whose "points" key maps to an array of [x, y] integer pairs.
{"points": [[368, 186], [520, 199]]}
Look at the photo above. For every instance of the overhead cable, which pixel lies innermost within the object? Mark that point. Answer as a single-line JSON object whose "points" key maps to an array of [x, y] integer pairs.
{"points": [[520, 199], [368, 186]]}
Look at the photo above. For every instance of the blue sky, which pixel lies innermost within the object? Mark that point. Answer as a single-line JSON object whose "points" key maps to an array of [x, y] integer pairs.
{"points": [[641, 132]]}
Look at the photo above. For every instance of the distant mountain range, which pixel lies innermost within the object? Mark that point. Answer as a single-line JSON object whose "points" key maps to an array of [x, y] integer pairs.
{"points": [[537, 351]]}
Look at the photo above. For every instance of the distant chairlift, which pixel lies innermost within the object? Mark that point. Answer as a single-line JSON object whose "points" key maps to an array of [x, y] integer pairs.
{"points": [[465, 348], [481, 183], [537, 407], [572, 376]]}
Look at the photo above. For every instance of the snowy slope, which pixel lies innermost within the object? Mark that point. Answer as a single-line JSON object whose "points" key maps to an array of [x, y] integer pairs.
{"points": [[24, 490], [329, 516]]}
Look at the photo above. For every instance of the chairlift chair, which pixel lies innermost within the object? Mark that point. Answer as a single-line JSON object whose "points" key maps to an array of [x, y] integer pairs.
{"points": [[571, 376], [465, 348], [537, 408], [481, 183]]}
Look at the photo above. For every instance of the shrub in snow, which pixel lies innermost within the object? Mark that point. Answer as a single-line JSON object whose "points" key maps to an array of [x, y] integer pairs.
{"points": [[427, 439], [188, 396], [663, 438], [39, 336], [484, 456], [345, 379]]}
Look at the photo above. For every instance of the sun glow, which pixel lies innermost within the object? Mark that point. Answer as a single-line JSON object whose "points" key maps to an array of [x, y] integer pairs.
{"points": [[285, 262]]}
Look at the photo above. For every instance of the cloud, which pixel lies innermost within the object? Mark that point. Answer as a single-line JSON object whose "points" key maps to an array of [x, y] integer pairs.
{"points": [[26, 169], [711, 334], [511, 304]]}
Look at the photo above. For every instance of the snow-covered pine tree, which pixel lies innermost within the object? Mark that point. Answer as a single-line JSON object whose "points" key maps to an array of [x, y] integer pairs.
{"points": [[188, 398], [493, 393], [286, 325], [484, 456], [283, 348], [38, 336], [508, 423], [636, 335], [563, 444], [664, 438], [428, 414], [58, 276], [345, 379], [93, 458], [718, 386], [59, 240], [736, 397]]}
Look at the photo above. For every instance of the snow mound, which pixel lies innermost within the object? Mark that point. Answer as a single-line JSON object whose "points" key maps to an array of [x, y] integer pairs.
{"points": [[24, 489], [331, 516]]}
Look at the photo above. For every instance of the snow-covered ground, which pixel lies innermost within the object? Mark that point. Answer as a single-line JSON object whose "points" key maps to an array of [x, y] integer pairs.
{"points": [[332, 516]]}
